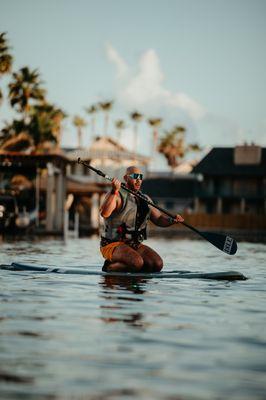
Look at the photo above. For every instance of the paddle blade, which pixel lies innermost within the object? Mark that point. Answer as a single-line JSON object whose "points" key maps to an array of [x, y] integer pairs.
{"points": [[223, 242]]}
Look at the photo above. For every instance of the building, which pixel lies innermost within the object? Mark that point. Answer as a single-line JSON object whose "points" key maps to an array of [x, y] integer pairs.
{"points": [[233, 181], [175, 193], [106, 154], [20, 178]]}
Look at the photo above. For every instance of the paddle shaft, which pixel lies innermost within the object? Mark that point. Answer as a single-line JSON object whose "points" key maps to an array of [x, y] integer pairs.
{"points": [[136, 194], [207, 236]]}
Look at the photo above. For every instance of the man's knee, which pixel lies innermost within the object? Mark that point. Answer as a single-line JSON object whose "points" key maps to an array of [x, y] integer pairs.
{"points": [[153, 264], [158, 265], [137, 263]]}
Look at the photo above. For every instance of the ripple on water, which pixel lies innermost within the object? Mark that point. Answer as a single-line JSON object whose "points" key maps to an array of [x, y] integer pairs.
{"points": [[64, 336]]}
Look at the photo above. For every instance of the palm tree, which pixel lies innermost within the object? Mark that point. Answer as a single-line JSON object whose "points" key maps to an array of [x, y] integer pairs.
{"points": [[79, 124], [137, 118], [106, 107], [6, 59], [25, 90], [14, 136], [92, 111], [57, 117], [120, 126], [172, 146], [155, 123], [45, 124], [43, 127]]}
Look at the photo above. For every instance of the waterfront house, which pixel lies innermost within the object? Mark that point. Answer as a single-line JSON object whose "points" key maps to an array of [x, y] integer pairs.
{"points": [[33, 201], [173, 192], [233, 181]]}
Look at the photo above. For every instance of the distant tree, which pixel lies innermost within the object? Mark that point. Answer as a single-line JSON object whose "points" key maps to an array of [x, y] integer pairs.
{"points": [[44, 125], [57, 116], [120, 126], [14, 136], [6, 59], [25, 91], [136, 118], [92, 110], [79, 124], [155, 123], [173, 147], [40, 121], [106, 108]]}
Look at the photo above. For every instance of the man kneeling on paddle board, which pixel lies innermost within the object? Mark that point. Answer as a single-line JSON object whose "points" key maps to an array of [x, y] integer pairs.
{"points": [[125, 221]]}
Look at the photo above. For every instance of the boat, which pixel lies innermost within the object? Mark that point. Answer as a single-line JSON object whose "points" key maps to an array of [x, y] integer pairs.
{"points": [[87, 270]]}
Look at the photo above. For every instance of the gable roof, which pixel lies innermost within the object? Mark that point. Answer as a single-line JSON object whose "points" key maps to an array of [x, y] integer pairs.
{"points": [[220, 162]]}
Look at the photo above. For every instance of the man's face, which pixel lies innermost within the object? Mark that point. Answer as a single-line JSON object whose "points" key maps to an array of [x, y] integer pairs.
{"points": [[133, 179]]}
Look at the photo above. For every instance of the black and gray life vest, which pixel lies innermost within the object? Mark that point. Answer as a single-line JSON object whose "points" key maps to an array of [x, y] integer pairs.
{"points": [[130, 222]]}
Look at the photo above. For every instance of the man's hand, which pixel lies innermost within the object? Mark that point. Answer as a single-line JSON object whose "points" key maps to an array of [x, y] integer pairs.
{"points": [[178, 218], [116, 185]]}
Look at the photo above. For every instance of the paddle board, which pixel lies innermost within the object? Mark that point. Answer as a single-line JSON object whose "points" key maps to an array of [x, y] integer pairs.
{"points": [[228, 275]]}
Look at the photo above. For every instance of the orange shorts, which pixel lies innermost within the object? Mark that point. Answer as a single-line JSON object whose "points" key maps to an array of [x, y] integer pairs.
{"points": [[108, 250]]}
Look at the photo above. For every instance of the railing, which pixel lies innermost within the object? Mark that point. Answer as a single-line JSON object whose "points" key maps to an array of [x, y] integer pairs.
{"points": [[229, 193], [223, 221]]}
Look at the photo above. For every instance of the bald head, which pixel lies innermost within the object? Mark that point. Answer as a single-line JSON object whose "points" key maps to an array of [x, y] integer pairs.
{"points": [[133, 170]]}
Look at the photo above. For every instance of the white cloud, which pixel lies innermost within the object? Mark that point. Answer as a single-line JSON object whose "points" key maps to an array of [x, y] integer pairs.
{"points": [[115, 58], [143, 88]]}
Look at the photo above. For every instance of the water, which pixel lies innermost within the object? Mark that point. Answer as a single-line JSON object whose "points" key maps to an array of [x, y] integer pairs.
{"points": [[90, 337]]}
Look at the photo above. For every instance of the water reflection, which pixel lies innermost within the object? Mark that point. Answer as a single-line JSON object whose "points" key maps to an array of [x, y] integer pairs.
{"points": [[132, 284], [117, 306]]}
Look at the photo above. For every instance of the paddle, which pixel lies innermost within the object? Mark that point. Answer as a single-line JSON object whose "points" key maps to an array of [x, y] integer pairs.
{"points": [[222, 242]]}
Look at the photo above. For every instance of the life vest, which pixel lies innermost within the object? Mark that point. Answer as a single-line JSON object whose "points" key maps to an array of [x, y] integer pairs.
{"points": [[129, 223]]}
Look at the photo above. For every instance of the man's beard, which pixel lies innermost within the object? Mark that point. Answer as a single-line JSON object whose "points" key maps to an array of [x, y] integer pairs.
{"points": [[132, 187]]}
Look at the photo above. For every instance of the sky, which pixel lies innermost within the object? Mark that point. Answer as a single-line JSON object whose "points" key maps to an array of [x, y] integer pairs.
{"points": [[196, 63]]}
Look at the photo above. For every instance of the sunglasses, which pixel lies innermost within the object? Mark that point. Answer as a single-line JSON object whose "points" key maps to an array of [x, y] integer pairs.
{"points": [[136, 176]]}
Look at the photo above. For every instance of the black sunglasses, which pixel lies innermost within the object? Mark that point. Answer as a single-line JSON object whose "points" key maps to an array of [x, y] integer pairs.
{"points": [[136, 176]]}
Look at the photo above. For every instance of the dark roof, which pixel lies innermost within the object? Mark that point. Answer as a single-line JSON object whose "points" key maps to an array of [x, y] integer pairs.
{"points": [[220, 162], [20, 161], [169, 187]]}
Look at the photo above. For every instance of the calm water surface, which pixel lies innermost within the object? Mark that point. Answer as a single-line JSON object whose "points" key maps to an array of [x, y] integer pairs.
{"points": [[90, 337]]}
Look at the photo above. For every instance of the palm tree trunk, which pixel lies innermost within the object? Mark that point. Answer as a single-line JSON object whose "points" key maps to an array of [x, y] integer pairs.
{"points": [[93, 126], [79, 138], [106, 123], [154, 143], [135, 140], [118, 136]]}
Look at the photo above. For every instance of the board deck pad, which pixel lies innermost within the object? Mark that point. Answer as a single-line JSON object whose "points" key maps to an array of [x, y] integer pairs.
{"points": [[227, 275]]}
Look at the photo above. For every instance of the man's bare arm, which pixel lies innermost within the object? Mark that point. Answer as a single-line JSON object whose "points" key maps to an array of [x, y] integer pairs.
{"points": [[163, 220], [112, 200]]}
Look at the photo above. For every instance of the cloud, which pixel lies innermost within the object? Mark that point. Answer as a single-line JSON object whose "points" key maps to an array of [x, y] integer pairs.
{"points": [[114, 57], [143, 88]]}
